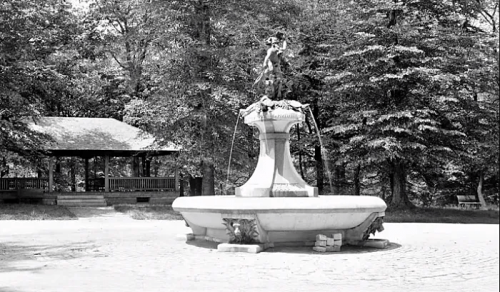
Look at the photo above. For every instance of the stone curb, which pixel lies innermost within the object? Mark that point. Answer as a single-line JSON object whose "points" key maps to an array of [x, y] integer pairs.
{"points": [[375, 243], [248, 248]]}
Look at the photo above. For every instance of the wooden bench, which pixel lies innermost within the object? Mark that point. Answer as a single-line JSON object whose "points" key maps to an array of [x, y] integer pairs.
{"points": [[468, 200]]}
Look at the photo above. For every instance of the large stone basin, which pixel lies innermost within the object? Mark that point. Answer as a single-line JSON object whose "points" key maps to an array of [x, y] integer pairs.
{"points": [[283, 220], [276, 200]]}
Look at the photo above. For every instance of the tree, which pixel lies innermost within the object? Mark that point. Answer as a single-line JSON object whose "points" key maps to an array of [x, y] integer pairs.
{"points": [[32, 34], [130, 31], [400, 83], [207, 80]]}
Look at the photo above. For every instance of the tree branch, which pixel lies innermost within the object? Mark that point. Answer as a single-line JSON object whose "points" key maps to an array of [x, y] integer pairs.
{"points": [[117, 61]]}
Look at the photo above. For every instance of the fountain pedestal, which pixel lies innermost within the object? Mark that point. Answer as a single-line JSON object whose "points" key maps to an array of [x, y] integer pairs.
{"points": [[275, 174]]}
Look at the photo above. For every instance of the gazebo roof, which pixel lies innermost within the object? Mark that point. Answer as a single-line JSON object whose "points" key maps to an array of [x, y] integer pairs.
{"points": [[86, 136]]}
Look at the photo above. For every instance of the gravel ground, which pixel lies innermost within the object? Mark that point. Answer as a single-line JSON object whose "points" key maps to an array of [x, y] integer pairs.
{"points": [[107, 251]]}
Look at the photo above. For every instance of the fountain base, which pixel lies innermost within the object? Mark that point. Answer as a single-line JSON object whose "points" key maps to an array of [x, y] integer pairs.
{"points": [[283, 221]]}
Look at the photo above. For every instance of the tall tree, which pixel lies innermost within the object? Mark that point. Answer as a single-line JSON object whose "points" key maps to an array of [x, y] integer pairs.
{"points": [[207, 79], [33, 32], [399, 75]]}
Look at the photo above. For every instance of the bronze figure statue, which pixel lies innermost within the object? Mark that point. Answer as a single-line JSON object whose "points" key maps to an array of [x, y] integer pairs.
{"points": [[271, 78]]}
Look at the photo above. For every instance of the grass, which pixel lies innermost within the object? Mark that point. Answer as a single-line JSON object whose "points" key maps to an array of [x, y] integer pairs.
{"points": [[443, 215], [165, 212], [149, 212], [35, 212], [424, 215]]}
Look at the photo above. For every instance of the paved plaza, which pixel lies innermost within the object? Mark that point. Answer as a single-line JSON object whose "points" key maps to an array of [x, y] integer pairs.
{"points": [[111, 252]]}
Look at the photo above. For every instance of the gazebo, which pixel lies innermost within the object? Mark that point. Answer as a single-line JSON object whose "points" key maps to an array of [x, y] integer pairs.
{"points": [[86, 138]]}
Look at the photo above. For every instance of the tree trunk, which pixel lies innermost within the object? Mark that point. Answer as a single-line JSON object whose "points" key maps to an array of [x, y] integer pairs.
{"points": [[202, 21], [399, 198], [480, 195], [251, 149], [4, 168], [339, 180], [357, 182], [143, 166], [181, 185], [39, 173], [301, 168], [195, 185], [208, 184], [58, 165], [135, 166], [72, 171], [156, 167], [87, 187], [135, 74], [148, 168], [319, 169]]}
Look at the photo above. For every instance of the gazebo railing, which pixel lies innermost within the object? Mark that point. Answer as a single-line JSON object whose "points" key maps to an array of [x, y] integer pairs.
{"points": [[116, 184], [20, 183], [120, 184]]}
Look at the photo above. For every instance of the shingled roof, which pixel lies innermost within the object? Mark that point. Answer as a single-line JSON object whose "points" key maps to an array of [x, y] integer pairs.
{"points": [[95, 134]]}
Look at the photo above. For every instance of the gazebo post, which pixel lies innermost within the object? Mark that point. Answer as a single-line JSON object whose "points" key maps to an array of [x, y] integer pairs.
{"points": [[176, 175], [106, 173], [51, 174], [86, 174]]}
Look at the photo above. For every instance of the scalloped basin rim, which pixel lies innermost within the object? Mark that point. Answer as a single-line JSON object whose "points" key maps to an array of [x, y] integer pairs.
{"points": [[320, 204]]}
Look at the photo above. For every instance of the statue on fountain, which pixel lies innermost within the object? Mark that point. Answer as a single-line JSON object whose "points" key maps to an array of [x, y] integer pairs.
{"points": [[271, 80]]}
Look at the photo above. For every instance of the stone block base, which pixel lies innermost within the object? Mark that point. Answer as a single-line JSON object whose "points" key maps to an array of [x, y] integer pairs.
{"points": [[185, 236]]}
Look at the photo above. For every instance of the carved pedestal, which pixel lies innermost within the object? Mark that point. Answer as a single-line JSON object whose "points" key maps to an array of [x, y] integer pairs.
{"points": [[275, 174]]}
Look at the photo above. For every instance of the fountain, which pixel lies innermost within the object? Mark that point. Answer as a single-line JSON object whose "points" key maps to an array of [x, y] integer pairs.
{"points": [[276, 206]]}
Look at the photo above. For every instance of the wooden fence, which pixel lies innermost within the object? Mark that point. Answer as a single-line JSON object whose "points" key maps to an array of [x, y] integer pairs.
{"points": [[116, 184], [18, 183], [122, 184]]}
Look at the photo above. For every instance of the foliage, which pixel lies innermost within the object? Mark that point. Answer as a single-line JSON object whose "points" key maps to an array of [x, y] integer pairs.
{"points": [[401, 85], [443, 215], [31, 32], [404, 93]]}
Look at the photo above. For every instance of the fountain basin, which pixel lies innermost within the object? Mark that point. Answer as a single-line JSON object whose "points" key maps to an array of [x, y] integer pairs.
{"points": [[282, 219]]}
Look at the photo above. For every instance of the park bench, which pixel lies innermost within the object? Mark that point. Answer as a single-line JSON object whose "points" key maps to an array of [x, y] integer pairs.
{"points": [[468, 200]]}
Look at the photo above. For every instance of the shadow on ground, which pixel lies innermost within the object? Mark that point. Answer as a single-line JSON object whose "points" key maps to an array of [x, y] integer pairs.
{"points": [[94, 212], [7, 289], [203, 243], [346, 249], [33, 258]]}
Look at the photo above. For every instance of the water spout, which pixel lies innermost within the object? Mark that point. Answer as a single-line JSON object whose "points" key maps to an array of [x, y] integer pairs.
{"points": [[231, 151], [323, 153]]}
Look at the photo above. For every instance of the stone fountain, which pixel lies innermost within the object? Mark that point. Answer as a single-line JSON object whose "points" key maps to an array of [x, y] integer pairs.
{"points": [[278, 205]]}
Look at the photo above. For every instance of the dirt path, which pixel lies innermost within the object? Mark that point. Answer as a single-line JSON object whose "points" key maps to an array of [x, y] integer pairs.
{"points": [[96, 214], [114, 253]]}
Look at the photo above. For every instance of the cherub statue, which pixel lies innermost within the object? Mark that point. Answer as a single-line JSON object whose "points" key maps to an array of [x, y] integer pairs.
{"points": [[272, 65]]}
